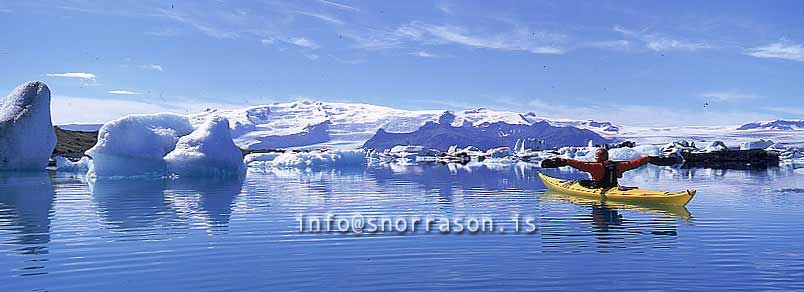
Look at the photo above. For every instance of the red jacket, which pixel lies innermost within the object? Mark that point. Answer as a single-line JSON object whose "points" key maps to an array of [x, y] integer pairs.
{"points": [[597, 170]]}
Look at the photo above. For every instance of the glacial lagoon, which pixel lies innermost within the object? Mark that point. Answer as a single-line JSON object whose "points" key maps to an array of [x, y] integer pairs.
{"points": [[59, 232]]}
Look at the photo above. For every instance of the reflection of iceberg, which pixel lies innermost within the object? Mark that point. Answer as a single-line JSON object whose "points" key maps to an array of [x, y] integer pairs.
{"points": [[213, 197], [456, 177], [27, 200], [131, 204], [146, 205]]}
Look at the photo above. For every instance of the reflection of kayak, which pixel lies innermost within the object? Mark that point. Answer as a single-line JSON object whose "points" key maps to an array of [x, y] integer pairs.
{"points": [[671, 210], [613, 194]]}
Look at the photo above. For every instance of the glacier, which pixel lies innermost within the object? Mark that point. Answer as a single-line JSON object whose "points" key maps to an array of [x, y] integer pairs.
{"points": [[27, 137], [484, 136], [316, 124]]}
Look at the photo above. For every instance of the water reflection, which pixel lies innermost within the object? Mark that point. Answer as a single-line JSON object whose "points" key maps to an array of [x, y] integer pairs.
{"points": [[26, 202], [124, 205], [26, 207], [211, 198], [604, 216], [451, 178], [151, 208]]}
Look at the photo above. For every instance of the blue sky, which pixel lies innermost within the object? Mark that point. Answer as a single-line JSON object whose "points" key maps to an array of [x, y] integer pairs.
{"points": [[630, 62]]}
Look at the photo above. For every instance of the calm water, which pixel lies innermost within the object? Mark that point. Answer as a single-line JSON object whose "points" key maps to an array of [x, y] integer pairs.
{"points": [[743, 231]]}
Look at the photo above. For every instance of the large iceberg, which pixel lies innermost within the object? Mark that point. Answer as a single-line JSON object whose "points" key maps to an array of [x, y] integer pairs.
{"points": [[26, 132], [135, 145], [164, 144], [207, 151]]}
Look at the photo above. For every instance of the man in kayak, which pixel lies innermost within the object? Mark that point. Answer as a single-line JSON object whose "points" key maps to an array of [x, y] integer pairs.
{"points": [[604, 171]]}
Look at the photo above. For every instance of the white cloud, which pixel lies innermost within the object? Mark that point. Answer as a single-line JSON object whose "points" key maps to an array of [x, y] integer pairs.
{"points": [[155, 67], [207, 29], [298, 41], [303, 42], [4, 10], [611, 44], [79, 75], [322, 17], [518, 39], [796, 111], [521, 39], [66, 109], [168, 32], [122, 92], [728, 95], [347, 61], [424, 54], [339, 5], [780, 50], [659, 42], [444, 7]]}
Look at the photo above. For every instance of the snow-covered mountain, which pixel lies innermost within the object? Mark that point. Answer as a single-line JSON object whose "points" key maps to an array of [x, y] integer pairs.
{"points": [[314, 124], [348, 125], [783, 125], [485, 136]]}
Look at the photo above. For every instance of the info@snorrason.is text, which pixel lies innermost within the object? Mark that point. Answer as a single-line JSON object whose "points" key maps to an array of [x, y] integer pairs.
{"points": [[372, 224]]}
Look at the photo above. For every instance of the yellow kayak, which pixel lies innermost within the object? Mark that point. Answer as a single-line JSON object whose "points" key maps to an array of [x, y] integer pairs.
{"points": [[661, 209], [613, 194]]}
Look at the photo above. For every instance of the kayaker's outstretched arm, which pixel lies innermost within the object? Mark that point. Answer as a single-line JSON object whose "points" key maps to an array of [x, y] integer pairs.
{"points": [[636, 163], [580, 165]]}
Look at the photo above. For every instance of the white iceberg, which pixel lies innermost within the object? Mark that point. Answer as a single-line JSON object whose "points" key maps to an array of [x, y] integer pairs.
{"points": [[136, 145], [64, 164], [27, 137], [207, 151], [315, 159], [625, 153], [716, 146], [164, 144], [499, 152], [615, 154], [759, 144], [259, 159]]}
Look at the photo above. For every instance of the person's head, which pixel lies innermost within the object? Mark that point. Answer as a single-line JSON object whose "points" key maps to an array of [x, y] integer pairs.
{"points": [[601, 154]]}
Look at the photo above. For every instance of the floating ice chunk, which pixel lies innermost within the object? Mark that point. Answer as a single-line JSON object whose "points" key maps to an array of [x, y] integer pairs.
{"points": [[716, 146], [64, 164], [625, 153], [678, 146], [207, 151], [260, 158], [136, 144], [26, 131], [314, 159], [499, 152], [760, 144]]}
